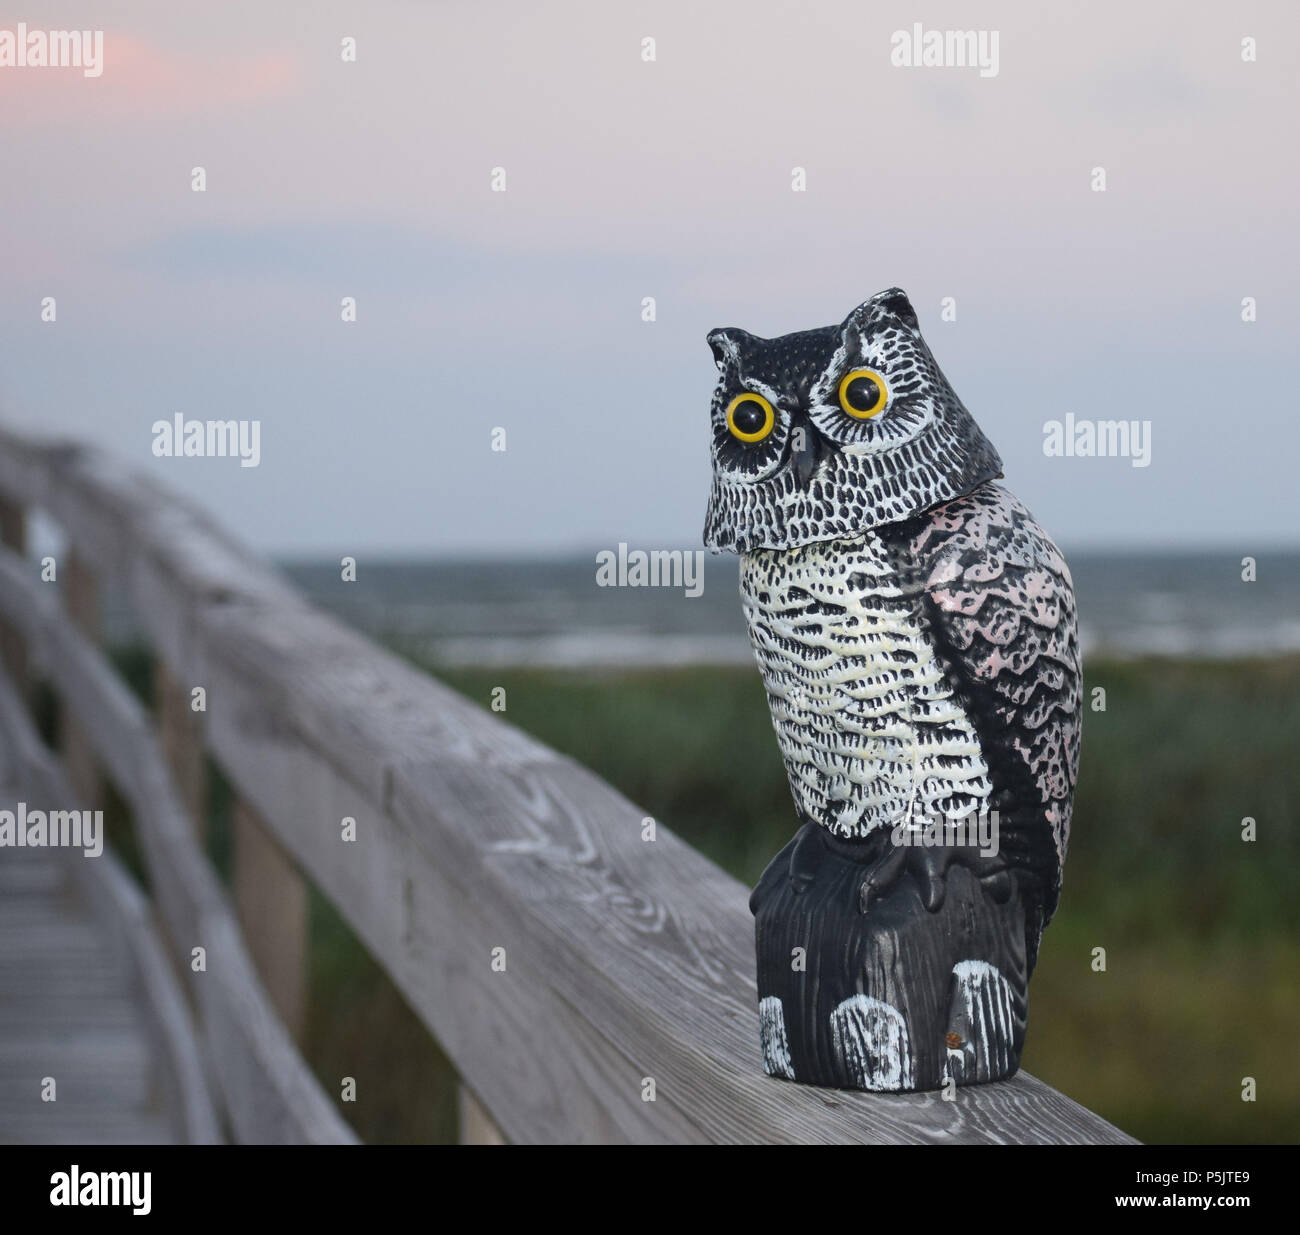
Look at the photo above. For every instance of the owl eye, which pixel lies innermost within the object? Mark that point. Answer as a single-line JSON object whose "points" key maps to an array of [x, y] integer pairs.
{"points": [[863, 393], [750, 417]]}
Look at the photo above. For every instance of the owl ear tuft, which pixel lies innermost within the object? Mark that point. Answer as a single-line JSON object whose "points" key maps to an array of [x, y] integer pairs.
{"points": [[725, 345], [891, 303]]}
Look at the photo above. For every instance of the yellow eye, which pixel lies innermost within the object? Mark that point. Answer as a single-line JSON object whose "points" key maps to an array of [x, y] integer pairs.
{"points": [[863, 393], [750, 417]]}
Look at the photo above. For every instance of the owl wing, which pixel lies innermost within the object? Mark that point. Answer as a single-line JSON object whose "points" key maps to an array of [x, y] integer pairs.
{"points": [[999, 603]]}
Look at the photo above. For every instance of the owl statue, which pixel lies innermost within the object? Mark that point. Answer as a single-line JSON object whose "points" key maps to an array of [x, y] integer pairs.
{"points": [[916, 633]]}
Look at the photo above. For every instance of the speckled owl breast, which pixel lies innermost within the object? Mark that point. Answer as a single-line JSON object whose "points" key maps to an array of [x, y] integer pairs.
{"points": [[867, 723]]}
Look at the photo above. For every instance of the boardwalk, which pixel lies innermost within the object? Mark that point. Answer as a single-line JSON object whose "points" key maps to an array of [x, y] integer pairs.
{"points": [[72, 1008]]}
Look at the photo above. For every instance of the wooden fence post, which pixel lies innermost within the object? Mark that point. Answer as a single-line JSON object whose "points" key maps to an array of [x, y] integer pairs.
{"points": [[271, 902], [13, 652], [476, 1126], [81, 599], [181, 737]]}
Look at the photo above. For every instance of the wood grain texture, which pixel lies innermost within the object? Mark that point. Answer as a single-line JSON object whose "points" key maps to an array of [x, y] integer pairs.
{"points": [[626, 962]]}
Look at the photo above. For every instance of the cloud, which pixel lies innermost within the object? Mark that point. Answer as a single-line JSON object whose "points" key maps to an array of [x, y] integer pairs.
{"points": [[142, 77]]}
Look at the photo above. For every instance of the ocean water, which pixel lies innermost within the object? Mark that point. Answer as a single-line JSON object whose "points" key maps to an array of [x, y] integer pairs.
{"points": [[552, 613]]}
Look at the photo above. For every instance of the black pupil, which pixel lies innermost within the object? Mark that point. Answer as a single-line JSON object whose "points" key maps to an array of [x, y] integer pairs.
{"points": [[749, 416], [862, 394]]}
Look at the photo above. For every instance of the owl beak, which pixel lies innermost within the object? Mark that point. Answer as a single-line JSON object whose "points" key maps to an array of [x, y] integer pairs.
{"points": [[805, 458]]}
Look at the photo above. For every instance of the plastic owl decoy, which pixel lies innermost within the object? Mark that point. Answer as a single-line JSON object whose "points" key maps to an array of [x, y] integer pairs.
{"points": [[916, 633]]}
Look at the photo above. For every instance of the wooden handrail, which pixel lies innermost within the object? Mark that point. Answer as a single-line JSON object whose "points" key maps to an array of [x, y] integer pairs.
{"points": [[628, 964]]}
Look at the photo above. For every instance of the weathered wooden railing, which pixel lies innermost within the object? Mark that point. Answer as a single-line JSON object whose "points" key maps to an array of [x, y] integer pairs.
{"points": [[562, 961]]}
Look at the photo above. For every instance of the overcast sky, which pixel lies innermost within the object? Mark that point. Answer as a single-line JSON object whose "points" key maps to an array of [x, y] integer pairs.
{"points": [[627, 179]]}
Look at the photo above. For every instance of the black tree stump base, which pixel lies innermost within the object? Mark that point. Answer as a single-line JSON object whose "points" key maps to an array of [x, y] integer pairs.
{"points": [[894, 996]]}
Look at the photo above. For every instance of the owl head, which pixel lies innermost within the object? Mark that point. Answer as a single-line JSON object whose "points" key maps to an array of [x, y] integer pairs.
{"points": [[833, 432]]}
